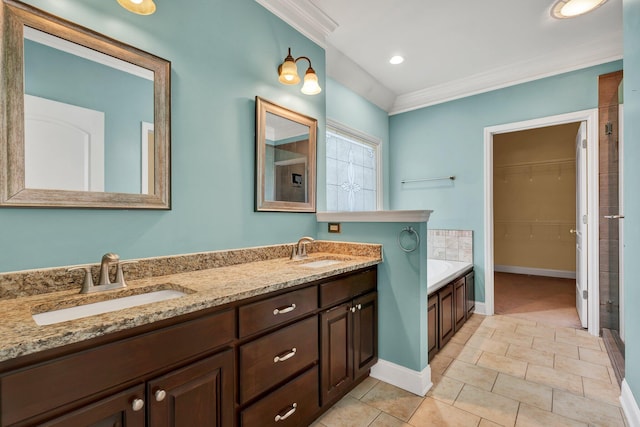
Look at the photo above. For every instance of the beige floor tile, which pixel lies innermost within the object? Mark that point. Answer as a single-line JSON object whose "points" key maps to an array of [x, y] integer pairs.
{"points": [[484, 331], [587, 410], [349, 412], [432, 412], [486, 423], [513, 338], [472, 374], [470, 355], [392, 400], [528, 392], [594, 356], [461, 337], [581, 341], [436, 378], [499, 322], [451, 349], [602, 391], [582, 368], [537, 331], [485, 404], [446, 390], [529, 416], [554, 378], [386, 420], [563, 348], [514, 367], [537, 357], [488, 344], [362, 388], [440, 363], [317, 424], [565, 332]]}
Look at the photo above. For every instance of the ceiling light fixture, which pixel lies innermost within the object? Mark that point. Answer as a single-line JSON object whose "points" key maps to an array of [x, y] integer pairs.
{"points": [[563, 9], [397, 59], [288, 75], [141, 7]]}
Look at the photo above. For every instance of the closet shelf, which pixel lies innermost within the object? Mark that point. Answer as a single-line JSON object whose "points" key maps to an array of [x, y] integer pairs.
{"points": [[534, 164]]}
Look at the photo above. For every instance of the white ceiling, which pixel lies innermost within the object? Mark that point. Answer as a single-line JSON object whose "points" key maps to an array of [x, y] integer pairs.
{"points": [[452, 49]]}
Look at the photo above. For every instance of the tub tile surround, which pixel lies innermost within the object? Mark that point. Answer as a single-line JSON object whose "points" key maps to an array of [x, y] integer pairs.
{"points": [[450, 245], [210, 279]]}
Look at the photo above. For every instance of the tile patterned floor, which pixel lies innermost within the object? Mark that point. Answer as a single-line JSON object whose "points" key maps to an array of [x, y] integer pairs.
{"points": [[498, 371]]}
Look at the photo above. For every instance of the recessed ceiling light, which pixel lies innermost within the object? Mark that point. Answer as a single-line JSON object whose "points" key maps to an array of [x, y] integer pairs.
{"points": [[395, 60], [563, 9]]}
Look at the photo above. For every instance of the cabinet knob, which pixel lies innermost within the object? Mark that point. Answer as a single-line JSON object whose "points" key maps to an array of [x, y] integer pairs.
{"points": [[287, 414], [160, 394], [353, 309], [137, 404], [359, 306]]}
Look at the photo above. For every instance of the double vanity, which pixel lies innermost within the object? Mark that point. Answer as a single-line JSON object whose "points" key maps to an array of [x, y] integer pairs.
{"points": [[249, 337]]}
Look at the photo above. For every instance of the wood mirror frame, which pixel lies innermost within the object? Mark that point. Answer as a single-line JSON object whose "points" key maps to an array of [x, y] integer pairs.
{"points": [[307, 178], [14, 16]]}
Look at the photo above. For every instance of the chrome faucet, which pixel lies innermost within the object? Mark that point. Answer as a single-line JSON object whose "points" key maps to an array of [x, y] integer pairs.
{"points": [[104, 283], [299, 251]]}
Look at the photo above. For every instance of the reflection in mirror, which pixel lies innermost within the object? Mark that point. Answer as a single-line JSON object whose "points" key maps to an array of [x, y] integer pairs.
{"points": [[285, 159], [88, 117]]}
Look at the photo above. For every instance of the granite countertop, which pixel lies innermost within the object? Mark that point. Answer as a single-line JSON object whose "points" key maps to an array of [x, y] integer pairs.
{"points": [[20, 335]]}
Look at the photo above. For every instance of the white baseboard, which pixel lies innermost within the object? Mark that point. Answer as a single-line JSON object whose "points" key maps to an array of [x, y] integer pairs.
{"points": [[563, 274], [407, 379], [629, 405], [481, 308]]}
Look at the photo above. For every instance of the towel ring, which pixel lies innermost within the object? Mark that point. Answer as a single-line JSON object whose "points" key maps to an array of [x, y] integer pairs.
{"points": [[409, 230]]}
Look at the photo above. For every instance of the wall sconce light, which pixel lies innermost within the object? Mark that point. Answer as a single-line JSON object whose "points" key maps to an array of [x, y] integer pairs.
{"points": [[141, 7], [288, 75]]}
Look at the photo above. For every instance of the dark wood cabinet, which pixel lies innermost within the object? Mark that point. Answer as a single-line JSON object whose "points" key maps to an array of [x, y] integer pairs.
{"points": [[433, 324], [460, 303], [471, 293], [200, 394], [365, 333], [446, 314]]}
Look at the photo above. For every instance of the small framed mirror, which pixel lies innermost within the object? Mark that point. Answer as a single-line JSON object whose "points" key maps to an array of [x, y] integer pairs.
{"points": [[86, 119], [285, 159]]}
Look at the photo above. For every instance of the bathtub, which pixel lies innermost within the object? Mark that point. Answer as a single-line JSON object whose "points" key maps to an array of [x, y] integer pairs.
{"points": [[439, 273]]}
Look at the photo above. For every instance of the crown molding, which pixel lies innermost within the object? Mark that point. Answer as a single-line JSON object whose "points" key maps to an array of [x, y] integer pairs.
{"points": [[531, 69], [304, 16]]}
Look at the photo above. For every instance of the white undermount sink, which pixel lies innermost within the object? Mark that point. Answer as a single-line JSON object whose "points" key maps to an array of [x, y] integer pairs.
{"points": [[85, 310], [321, 263]]}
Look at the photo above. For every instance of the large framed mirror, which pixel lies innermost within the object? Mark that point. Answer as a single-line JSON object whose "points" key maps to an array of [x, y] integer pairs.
{"points": [[285, 159], [85, 118]]}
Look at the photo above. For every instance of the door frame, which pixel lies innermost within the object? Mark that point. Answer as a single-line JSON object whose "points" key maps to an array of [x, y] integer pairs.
{"points": [[591, 117]]}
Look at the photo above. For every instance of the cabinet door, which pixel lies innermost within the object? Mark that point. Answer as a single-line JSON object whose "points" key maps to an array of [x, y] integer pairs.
{"points": [[460, 302], [365, 333], [117, 410], [200, 394], [446, 312], [471, 293], [432, 325], [337, 351]]}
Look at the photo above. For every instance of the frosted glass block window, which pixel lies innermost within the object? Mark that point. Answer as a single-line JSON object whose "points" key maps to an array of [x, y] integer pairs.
{"points": [[352, 172]]}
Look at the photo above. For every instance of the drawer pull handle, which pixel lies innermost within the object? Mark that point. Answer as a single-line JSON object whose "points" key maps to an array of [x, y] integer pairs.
{"points": [[288, 414], [284, 310], [286, 356], [137, 404], [160, 394]]}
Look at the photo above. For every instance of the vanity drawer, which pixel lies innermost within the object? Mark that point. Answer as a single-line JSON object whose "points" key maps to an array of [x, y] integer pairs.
{"points": [[279, 355], [291, 405], [53, 384], [345, 288], [273, 311]]}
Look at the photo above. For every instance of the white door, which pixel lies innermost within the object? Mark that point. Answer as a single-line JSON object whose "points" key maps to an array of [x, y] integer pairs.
{"points": [[581, 226]]}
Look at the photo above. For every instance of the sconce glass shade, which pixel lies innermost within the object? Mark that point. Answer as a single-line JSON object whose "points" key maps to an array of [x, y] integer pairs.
{"points": [[141, 7], [288, 71], [310, 86], [563, 9]]}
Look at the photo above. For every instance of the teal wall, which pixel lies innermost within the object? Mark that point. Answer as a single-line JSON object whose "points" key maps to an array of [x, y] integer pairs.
{"points": [[447, 139], [223, 54], [347, 108], [631, 25], [63, 77], [402, 290]]}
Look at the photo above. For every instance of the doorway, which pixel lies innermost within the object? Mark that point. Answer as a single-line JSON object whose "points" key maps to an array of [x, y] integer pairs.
{"points": [[590, 195]]}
